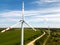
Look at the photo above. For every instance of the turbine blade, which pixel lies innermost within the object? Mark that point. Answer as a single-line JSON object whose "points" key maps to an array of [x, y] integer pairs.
{"points": [[30, 26], [9, 27]]}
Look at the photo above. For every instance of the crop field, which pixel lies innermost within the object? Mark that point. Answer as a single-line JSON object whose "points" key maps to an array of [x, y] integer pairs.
{"points": [[13, 36]]}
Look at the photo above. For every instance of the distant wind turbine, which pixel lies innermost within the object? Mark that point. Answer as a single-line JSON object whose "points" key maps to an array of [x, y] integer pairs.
{"points": [[47, 25]]}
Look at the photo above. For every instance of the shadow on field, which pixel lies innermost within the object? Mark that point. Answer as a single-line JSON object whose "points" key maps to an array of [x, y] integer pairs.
{"points": [[17, 43]]}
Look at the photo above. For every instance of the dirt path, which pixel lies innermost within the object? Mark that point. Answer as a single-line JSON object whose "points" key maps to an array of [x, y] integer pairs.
{"points": [[46, 40], [32, 42]]}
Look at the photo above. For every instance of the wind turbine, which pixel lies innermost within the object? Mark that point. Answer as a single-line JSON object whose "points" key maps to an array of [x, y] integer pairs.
{"points": [[48, 26], [22, 25]]}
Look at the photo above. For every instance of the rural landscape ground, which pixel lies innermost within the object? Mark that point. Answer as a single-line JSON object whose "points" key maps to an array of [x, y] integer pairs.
{"points": [[13, 36]]}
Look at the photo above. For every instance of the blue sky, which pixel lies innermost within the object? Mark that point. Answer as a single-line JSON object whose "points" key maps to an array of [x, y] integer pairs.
{"points": [[38, 13]]}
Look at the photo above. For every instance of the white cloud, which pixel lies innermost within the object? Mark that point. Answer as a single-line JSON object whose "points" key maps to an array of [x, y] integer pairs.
{"points": [[18, 13], [36, 16], [50, 0], [44, 1], [49, 17], [11, 13], [34, 13], [30, 12], [9, 20], [53, 19]]}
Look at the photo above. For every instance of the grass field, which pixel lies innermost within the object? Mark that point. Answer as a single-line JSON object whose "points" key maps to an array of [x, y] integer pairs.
{"points": [[13, 36]]}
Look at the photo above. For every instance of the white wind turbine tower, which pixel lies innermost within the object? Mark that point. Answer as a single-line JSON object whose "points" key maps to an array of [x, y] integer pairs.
{"points": [[47, 25], [22, 22], [22, 27]]}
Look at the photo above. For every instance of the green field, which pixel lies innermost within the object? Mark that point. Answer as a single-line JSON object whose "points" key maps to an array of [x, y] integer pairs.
{"points": [[54, 38], [13, 36]]}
